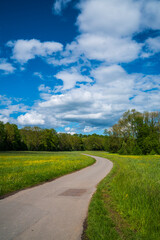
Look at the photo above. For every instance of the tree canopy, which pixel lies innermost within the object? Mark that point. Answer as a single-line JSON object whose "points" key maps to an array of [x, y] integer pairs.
{"points": [[135, 133]]}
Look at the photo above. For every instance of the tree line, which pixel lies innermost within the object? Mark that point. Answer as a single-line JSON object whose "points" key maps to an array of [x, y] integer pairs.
{"points": [[135, 133], [39, 139]]}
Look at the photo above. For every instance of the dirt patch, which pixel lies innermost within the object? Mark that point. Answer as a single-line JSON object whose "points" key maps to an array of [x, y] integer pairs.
{"points": [[83, 236]]}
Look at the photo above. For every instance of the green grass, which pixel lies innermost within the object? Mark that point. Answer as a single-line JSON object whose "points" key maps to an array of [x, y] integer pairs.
{"points": [[127, 202], [19, 170]]}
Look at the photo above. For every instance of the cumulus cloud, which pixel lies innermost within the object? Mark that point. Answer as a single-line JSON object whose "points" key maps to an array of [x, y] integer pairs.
{"points": [[151, 14], [59, 5], [89, 129], [118, 18], [5, 66], [151, 47], [10, 107], [95, 105], [153, 44], [3, 119], [13, 108], [70, 130], [113, 77], [100, 104], [107, 29], [32, 118], [71, 77], [24, 50], [113, 18], [109, 49], [98, 96], [43, 88]]}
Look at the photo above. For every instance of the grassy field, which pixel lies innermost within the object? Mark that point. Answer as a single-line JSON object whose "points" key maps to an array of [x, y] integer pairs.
{"points": [[19, 170], [127, 202]]}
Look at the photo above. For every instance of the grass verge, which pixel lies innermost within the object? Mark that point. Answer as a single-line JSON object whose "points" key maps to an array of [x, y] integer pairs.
{"points": [[19, 170], [126, 203]]}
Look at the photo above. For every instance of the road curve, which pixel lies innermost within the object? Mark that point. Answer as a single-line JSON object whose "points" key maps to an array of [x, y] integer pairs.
{"points": [[54, 210]]}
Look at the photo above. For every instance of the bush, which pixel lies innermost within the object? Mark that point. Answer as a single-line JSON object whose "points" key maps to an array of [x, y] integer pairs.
{"points": [[137, 150], [123, 150], [152, 152]]}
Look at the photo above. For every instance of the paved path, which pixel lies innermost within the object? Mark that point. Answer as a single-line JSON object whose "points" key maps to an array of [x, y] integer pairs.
{"points": [[54, 210]]}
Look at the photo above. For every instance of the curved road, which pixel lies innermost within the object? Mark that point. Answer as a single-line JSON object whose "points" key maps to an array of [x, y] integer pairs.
{"points": [[54, 210]]}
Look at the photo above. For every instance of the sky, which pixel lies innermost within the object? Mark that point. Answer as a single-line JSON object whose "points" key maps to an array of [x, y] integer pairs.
{"points": [[78, 65]]}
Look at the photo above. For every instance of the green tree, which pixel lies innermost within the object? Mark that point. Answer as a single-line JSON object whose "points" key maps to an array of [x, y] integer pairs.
{"points": [[135, 129], [65, 142], [77, 143], [123, 150], [13, 138], [2, 136], [49, 140], [137, 150], [32, 137], [94, 142]]}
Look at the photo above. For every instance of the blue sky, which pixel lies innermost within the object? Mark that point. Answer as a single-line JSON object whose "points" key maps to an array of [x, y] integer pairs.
{"points": [[78, 65]]}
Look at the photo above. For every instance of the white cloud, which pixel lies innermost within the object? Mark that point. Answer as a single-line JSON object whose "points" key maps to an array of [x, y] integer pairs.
{"points": [[5, 100], [43, 88], [118, 18], [109, 49], [67, 129], [24, 50], [98, 105], [99, 97], [38, 74], [151, 14], [107, 27], [114, 78], [88, 105], [63, 60], [59, 5], [70, 130], [153, 44], [72, 133], [151, 100], [71, 77], [11, 108], [32, 118], [113, 18], [3, 119], [5, 66], [89, 129]]}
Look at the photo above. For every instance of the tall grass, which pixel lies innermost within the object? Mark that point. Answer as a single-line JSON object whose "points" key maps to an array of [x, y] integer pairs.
{"points": [[127, 202], [19, 170]]}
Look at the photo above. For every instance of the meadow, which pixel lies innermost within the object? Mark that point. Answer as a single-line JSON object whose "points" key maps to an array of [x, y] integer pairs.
{"points": [[126, 205], [19, 170]]}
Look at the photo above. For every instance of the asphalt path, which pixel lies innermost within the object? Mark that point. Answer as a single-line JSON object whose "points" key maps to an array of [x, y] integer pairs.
{"points": [[55, 210]]}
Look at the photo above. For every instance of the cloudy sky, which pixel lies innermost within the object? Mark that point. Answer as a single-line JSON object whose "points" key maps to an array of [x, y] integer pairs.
{"points": [[77, 65]]}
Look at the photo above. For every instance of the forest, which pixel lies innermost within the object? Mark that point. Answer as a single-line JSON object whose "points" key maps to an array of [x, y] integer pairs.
{"points": [[135, 133]]}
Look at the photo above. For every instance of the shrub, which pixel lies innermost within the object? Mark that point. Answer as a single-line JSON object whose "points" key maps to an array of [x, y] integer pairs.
{"points": [[137, 150], [152, 152], [123, 150]]}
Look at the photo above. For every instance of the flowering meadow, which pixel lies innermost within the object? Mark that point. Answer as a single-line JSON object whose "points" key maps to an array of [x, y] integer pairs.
{"points": [[19, 170]]}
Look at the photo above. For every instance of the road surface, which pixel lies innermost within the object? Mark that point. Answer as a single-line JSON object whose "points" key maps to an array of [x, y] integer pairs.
{"points": [[55, 210]]}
